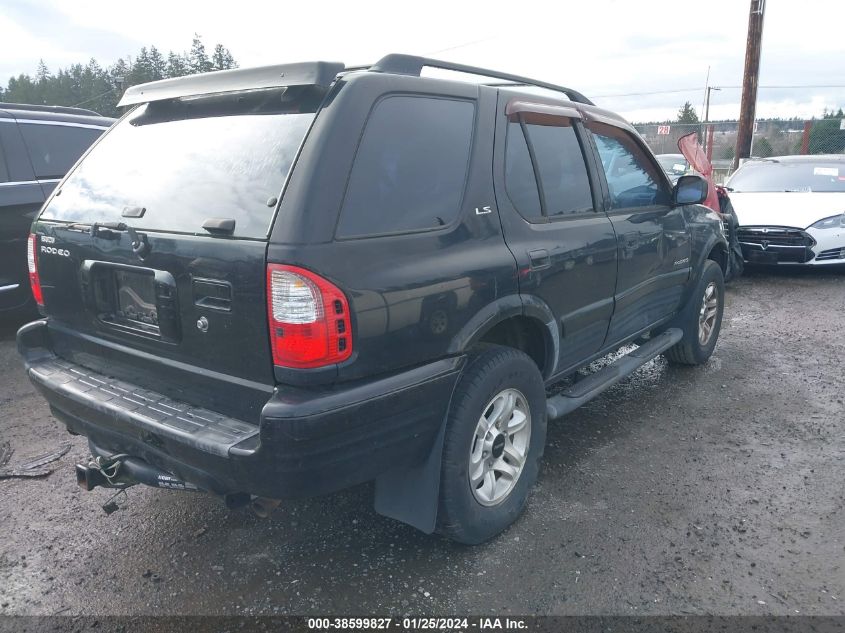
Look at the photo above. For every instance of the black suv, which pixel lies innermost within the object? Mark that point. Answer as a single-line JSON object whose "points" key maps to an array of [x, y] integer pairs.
{"points": [[283, 281], [38, 145]]}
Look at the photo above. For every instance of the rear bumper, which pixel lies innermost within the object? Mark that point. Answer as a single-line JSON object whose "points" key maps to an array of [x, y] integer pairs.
{"points": [[305, 443]]}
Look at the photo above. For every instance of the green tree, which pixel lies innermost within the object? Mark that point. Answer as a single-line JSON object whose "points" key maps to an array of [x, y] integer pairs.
{"points": [[222, 59], [762, 148], [825, 135], [198, 59], [177, 65], [92, 86], [43, 73], [687, 114], [158, 67]]}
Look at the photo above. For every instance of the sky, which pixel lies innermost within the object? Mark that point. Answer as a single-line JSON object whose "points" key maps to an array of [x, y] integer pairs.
{"points": [[603, 48]]}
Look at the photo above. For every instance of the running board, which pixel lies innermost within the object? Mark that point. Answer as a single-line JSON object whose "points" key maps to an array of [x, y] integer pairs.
{"points": [[585, 390]]}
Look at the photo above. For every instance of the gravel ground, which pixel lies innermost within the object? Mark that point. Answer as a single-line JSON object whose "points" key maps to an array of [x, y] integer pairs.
{"points": [[713, 490]]}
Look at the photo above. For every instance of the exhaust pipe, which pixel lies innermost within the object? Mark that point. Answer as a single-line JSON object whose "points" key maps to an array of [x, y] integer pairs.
{"points": [[123, 471]]}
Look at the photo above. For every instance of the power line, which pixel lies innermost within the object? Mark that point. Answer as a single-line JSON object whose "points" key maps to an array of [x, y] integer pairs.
{"points": [[94, 98], [698, 88]]}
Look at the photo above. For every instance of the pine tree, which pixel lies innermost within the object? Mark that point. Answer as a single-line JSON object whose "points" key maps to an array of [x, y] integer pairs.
{"points": [[177, 65], [687, 114], [43, 73], [92, 86], [222, 59], [158, 66], [198, 59]]}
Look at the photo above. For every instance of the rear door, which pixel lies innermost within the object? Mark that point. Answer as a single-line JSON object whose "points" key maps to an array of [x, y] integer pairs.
{"points": [[21, 197], [152, 252], [653, 241], [562, 240]]}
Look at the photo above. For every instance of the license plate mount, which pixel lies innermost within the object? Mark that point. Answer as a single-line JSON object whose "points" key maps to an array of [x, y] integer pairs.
{"points": [[136, 300]]}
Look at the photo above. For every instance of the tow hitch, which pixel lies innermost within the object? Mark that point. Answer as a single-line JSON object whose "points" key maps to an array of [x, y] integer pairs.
{"points": [[123, 471]]}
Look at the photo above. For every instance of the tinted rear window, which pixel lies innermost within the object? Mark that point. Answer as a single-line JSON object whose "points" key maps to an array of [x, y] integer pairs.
{"points": [[54, 148], [566, 186], [520, 182], [411, 166], [186, 162], [773, 175]]}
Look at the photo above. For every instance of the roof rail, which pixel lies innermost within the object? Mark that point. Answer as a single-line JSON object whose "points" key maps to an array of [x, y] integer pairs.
{"points": [[31, 107], [320, 74], [413, 65]]}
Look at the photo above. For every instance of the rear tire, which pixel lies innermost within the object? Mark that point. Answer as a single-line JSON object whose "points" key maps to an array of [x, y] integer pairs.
{"points": [[495, 435], [701, 319]]}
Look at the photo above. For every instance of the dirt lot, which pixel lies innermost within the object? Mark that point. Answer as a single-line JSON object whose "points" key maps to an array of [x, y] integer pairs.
{"points": [[710, 490]]}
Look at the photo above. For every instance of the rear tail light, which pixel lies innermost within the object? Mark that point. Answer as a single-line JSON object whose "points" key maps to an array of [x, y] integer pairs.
{"points": [[309, 319], [32, 263]]}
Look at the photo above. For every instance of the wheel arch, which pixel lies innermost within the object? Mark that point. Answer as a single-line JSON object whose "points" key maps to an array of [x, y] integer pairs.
{"points": [[524, 322]]}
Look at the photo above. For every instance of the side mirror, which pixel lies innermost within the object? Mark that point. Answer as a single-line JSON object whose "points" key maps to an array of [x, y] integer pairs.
{"points": [[690, 190]]}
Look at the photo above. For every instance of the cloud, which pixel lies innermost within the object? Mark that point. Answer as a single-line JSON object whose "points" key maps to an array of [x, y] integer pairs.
{"points": [[602, 47]]}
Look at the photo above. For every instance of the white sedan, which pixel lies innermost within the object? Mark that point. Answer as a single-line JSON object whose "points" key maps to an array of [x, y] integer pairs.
{"points": [[791, 209]]}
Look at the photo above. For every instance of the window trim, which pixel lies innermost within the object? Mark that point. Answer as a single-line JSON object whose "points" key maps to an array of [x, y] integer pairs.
{"points": [[459, 216], [58, 123], [662, 179]]}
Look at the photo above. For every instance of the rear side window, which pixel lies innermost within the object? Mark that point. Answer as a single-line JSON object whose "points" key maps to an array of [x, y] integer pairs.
{"points": [[520, 182], [54, 148], [633, 179], [559, 163], [410, 169]]}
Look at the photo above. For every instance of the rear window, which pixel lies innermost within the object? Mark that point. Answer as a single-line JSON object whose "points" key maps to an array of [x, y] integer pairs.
{"points": [[187, 161], [410, 169], [774, 175], [54, 148]]}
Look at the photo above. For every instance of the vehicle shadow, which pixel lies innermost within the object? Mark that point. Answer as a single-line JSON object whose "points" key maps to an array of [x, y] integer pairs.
{"points": [[334, 554]]}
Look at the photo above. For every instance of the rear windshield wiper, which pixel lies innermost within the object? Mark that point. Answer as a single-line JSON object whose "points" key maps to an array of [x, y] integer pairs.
{"points": [[138, 241]]}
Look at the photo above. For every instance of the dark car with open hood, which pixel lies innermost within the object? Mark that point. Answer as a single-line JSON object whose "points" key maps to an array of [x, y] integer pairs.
{"points": [[284, 281]]}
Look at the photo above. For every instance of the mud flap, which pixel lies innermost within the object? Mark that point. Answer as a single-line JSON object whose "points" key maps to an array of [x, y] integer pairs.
{"points": [[411, 495]]}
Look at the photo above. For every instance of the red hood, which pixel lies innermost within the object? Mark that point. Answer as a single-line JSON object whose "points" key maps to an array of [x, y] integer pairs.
{"points": [[697, 158]]}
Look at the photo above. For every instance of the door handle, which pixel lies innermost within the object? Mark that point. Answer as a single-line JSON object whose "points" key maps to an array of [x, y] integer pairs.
{"points": [[539, 259]]}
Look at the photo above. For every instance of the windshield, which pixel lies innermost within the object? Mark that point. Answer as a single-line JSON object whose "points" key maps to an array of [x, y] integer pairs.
{"points": [[774, 175], [186, 162], [673, 163]]}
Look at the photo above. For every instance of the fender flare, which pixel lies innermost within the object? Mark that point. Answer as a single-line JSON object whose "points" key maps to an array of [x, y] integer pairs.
{"points": [[698, 264], [502, 309]]}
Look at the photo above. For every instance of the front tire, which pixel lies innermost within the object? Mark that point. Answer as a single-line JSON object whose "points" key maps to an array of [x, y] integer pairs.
{"points": [[701, 319], [495, 435]]}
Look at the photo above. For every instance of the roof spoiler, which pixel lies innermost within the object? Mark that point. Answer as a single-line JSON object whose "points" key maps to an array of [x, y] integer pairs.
{"points": [[320, 74]]}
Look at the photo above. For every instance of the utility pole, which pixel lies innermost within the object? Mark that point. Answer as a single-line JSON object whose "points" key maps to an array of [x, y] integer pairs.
{"points": [[707, 113], [749, 81], [707, 103]]}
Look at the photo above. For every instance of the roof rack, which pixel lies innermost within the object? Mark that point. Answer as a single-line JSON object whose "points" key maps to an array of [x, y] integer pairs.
{"points": [[48, 108], [413, 65]]}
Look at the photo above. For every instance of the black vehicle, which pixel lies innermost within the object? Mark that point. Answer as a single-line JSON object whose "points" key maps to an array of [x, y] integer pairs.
{"points": [[38, 145], [284, 281]]}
